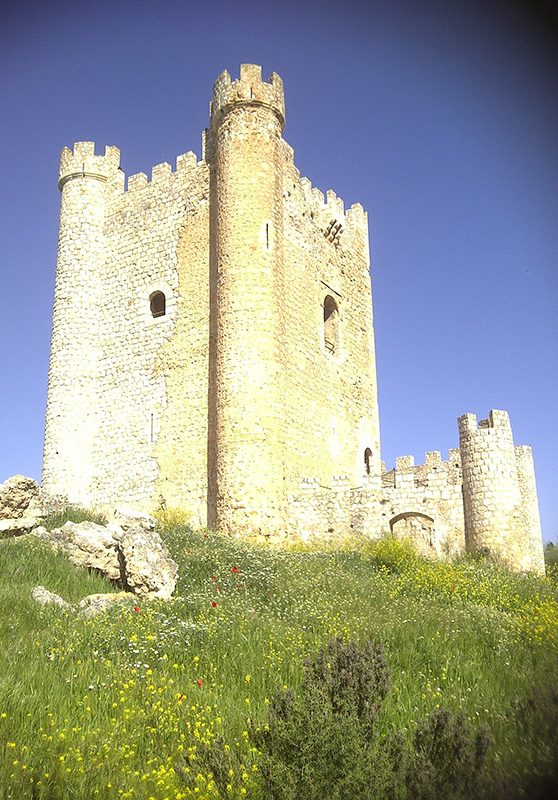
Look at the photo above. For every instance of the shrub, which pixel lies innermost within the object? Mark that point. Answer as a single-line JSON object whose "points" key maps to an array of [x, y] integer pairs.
{"points": [[324, 745], [448, 759], [319, 745]]}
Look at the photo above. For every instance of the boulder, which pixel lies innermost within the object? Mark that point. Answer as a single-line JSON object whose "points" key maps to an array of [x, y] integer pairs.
{"points": [[87, 544], [17, 527], [134, 557], [95, 604], [19, 497], [150, 572], [124, 518], [44, 597]]}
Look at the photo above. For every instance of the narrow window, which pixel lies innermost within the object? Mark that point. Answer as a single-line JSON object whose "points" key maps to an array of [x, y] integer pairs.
{"points": [[367, 457], [267, 235], [157, 304], [331, 324]]}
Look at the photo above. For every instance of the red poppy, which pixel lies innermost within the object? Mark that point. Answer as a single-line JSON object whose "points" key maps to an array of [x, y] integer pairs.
{"points": [[214, 577], [199, 682], [214, 604], [217, 589], [234, 570], [136, 609]]}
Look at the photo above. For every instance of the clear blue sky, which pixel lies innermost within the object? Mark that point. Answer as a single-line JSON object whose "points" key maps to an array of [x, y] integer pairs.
{"points": [[439, 117]]}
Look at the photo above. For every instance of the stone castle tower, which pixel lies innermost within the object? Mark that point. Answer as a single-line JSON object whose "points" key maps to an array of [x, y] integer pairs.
{"points": [[213, 350]]}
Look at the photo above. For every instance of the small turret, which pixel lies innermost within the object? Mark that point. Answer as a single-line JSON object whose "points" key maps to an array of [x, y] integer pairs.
{"points": [[250, 90], [495, 490], [81, 162]]}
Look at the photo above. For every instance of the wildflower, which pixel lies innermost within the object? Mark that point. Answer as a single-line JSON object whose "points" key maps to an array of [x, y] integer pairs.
{"points": [[214, 604], [136, 609], [199, 682], [235, 570], [214, 577]]}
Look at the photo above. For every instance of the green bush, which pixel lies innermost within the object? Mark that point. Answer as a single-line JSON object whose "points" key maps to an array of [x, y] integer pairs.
{"points": [[323, 744], [319, 744], [448, 758]]}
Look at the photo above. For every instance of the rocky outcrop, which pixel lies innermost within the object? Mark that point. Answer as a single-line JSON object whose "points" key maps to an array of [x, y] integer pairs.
{"points": [[87, 544], [90, 606], [150, 572], [129, 553], [19, 497], [44, 597], [95, 604], [17, 527]]}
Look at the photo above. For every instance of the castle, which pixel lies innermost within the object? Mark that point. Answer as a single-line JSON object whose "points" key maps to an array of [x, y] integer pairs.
{"points": [[213, 350]]}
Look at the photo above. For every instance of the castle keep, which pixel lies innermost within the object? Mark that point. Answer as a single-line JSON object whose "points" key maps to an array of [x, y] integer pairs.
{"points": [[213, 350]]}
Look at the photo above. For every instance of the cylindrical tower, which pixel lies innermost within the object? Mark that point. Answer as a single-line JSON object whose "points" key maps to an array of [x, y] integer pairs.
{"points": [[85, 181], [246, 441], [533, 553], [495, 517]]}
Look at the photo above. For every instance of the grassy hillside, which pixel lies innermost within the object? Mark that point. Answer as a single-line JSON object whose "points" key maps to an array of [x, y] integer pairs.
{"points": [[135, 703]]}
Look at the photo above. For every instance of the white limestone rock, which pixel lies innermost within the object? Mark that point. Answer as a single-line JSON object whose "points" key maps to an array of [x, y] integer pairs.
{"points": [[87, 544], [95, 604], [150, 572], [125, 518], [17, 527], [19, 497], [44, 597], [136, 558]]}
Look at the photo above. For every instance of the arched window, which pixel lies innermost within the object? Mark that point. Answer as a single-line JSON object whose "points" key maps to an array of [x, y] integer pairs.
{"points": [[331, 324], [367, 458], [157, 304]]}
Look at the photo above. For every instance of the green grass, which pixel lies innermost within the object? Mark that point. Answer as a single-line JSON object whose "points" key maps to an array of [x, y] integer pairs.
{"points": [[72, 514], [122, 705]]}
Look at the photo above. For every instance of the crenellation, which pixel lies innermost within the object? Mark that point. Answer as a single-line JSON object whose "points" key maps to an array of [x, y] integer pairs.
{"points": [[213, 346], [186, 162], [249, 90], [318, 198], [161, 172], [137, 182], [356, 215], [81, 162]]}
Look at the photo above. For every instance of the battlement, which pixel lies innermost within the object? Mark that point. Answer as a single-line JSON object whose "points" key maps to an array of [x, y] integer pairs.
{"points": [[330, 213], [249, 89], [162, 173], [433, 473], [81, 162], [496, 421]]}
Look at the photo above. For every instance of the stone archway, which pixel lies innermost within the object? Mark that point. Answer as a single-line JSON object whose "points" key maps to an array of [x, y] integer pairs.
{"points": [[417, 527]]}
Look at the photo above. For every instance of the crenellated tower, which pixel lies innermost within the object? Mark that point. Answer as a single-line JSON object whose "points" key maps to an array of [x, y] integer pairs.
{"points": [[499, 493], [86, 181], [246, 418]]}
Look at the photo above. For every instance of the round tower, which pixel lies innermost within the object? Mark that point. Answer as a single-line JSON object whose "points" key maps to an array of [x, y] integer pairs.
{"points": [[246, 441], [495, 516], [85, 181]]}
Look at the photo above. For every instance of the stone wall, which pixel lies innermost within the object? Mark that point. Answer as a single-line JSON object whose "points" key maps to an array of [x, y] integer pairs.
{"points": [[421, 502]]}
